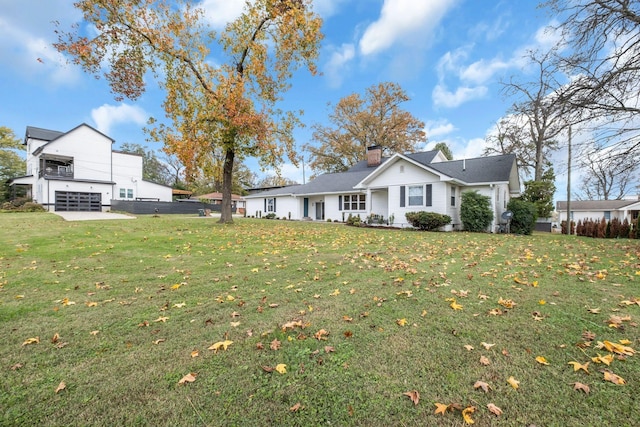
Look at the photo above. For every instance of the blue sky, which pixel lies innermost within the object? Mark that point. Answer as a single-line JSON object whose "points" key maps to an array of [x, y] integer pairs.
{"points": [[449, 56]]}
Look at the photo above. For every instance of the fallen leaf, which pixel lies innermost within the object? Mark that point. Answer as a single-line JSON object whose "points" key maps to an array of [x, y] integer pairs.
{"points": [[581, 387], [161, 319], [267, 369], [55, 338], [28, 341], [158, 341], [487, 346], [455, 305], [401, 322], [413, 395], [281, 368], [577, 366], [321, 335], [513, 382], [466, 414], [603, 359], [275, 344], [329, 349], [17, 366], [94, 333], [611, 377], [180, 305], [441, 408], [91, 304], [481, 384], [541, 360], [616, 348], [484, 361], [468, 347], [494, 409], [594, 310], [189, 378], [61, 387], [296, 407], [195, 353], [224, 344]]}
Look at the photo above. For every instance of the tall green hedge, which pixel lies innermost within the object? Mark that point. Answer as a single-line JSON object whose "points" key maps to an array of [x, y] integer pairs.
{"points": [[524, 216], [475, 211]]}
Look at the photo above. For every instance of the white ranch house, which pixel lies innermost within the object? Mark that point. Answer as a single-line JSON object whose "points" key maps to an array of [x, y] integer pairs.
{"points": [[598, 209], [391, 187], [78, 170]]}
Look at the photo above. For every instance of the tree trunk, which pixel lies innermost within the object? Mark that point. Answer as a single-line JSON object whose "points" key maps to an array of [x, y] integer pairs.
{"points": [[226, 216]]}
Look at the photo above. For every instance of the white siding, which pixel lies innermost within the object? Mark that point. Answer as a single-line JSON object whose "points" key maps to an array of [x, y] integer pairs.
{"points": [[90, 150]]}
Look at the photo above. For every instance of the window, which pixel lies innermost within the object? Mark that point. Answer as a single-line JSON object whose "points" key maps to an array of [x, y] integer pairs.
{"points": [[453, 195], [607, 215], [271, 205], [354, 202], [416, 195], [129, 193], [123, 193]]}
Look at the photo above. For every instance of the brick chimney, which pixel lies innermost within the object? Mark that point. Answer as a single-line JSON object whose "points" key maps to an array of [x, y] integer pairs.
{"points": [[374, 155]]}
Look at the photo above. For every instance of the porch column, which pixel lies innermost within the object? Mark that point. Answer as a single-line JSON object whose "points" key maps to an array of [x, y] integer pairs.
{"points": [[369, 202]]}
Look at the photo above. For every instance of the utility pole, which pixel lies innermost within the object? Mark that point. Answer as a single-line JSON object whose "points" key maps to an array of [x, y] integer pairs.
{"points": [[569, 184]]}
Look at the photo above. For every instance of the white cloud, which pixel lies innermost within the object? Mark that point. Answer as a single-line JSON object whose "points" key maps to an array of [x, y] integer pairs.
{"points": [[107, 116], [327, 8], [340, 58], [482, 71], [438, 128], [473, 148], [27, 37], [443, 97], [403, 20], [220, 12]]}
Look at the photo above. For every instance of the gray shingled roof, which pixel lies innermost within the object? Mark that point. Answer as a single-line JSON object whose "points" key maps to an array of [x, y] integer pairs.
{"points": [[477, 170], [594, 205], [483, 169], [41, 134]]}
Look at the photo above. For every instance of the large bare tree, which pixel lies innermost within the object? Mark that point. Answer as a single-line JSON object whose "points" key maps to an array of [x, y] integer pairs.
{"points": [[360, 122], [603, 58], [536, 119]]}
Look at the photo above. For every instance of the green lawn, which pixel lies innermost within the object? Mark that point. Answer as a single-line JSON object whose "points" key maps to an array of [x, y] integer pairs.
{"points": [[119, 312]]}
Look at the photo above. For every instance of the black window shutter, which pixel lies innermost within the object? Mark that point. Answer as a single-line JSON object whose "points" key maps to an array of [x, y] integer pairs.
{"points": [[402, 190], [339, 203], [265, 205], [428, 198], [274, 204]]}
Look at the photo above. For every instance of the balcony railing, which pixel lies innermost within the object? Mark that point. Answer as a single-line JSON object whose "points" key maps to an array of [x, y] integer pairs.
{"points": [[56, 172]]}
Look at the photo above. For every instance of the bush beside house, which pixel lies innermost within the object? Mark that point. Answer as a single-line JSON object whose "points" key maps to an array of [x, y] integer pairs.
{"points": [[475, 211], [427, 221], [524, 216]]}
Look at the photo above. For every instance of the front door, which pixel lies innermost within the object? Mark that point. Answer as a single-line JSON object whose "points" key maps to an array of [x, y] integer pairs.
{"points": [[320, 211], [306, 207]]}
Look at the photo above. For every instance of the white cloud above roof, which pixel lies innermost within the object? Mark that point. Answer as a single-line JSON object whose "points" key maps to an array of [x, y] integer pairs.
{"points": [[402, 20], [107, 116]]}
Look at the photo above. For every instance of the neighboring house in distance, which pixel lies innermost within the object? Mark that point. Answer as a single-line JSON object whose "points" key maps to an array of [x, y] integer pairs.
{"points": [[79, 171], [598, 209], [237, 202], [391, 187]]}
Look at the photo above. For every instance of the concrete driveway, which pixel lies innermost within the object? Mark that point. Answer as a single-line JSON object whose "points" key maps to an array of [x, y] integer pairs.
{"points": [[91, 216]]}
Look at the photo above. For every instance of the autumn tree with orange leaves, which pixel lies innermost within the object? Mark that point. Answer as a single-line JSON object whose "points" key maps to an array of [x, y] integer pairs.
{"points": [[358, 122], [222, 108]]}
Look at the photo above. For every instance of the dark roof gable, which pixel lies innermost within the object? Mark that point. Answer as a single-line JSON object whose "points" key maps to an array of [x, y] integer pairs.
{"points": [[41, 134]]}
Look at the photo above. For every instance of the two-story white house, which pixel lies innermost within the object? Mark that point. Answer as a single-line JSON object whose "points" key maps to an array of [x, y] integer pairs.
{"points": [[78, 170]]}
